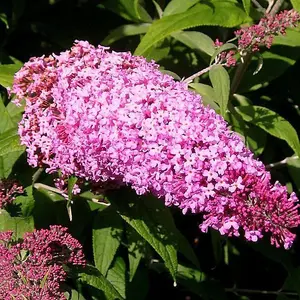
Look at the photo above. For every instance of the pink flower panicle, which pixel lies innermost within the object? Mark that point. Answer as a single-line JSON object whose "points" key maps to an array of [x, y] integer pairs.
{"points": [[226, 57], [9, 189], [33, 268], [114, 117], [251, 39]]}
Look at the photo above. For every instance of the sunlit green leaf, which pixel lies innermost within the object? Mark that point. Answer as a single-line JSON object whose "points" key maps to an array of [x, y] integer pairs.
{"points": [[221, 83], [10, 151], [197, 41], [178, 6], [107, 235], [223, 13], [272, 123]]}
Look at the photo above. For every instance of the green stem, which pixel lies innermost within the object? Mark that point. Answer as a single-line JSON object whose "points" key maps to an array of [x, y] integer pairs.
{"points": [[48, 188], [281, 163], [36, 175]]}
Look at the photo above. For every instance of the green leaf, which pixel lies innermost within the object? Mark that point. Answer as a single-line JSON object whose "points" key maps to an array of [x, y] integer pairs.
{"points": [[138, 288], [207, 93], [3, 18], [296, 4], [7, 73], [292, 282], [10, 151], [26, 202], [153, 222], [116, 275], [223, 13], [195, 40], [19, 225], [158, 9], [247, 6], [127, 9], [107, 234], [294, 170], [74, 295], [282, 55], [124, 31], [71, 183], [136, 246], [221, 83], [94, 278], [15, 111], [272, 123], [6, 122], [178, 6], [256, 139]]}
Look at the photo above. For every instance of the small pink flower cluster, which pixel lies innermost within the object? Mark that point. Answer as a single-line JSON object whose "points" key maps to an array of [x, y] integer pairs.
{"points": [[225, 58], [106, 116], [33, 268], [251, 39], [9, 189]]}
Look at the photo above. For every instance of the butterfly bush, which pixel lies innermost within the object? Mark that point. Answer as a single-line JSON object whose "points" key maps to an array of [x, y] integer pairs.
{"points": [[33, 268], [105, 116]]}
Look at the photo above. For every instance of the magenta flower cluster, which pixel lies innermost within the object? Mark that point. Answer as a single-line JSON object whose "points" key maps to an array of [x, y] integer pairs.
{"points": [[251, 39], [106, 116], [33, 268], [9, 189]]}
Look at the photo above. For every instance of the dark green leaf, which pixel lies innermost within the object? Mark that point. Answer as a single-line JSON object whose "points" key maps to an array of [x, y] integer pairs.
{"points": [[116, 276], [138, 288], [107, 235], [272, 123], [94, 278], [283, 54], [294, 170], [256, 139], [154, 223], [127, 9], [223, 13], [26, 202], [124, 31], [136, 247], [221, 83], [3, 18], [191, 278]]}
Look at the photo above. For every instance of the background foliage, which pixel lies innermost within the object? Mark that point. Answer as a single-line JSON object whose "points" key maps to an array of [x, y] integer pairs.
{"points": [[137, 248]]}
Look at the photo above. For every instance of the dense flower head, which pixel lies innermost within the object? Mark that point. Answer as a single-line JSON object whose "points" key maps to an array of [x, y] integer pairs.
{"points": [[33, 268], [9, 189], [105, 116], [251, 39]]}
